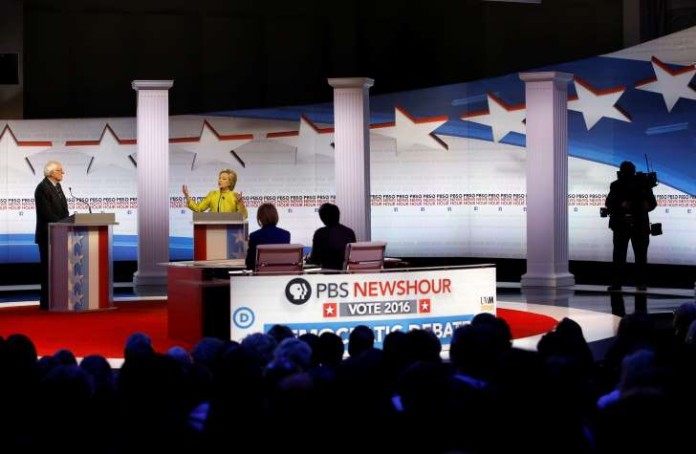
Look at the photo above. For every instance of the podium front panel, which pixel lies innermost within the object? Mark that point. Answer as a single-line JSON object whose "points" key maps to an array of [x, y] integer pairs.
{"points": [[80, 273], [219, 241]]}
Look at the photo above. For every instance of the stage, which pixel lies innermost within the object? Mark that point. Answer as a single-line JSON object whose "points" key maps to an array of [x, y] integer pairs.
{"points": [[529, 313]]}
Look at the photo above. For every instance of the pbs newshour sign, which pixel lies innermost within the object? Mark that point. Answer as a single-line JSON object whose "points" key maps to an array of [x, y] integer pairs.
{"points": [[439, 300]]}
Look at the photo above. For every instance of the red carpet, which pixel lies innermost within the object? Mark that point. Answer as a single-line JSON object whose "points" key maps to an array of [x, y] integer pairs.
{"points": [[105, 332], [85, 333]]}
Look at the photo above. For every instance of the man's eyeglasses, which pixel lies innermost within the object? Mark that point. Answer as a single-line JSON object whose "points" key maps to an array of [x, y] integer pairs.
{"points": [[58, 170]]}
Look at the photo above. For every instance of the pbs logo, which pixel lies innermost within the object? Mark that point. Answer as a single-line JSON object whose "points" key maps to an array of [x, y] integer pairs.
{"points": [[298, 291]]}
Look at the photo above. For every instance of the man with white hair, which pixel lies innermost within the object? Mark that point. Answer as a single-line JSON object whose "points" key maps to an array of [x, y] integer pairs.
{"points": [[51, 206]]}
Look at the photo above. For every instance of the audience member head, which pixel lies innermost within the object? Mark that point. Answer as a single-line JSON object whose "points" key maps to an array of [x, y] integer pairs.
{"points": [[180, 354], [208, 351], [20, 352], [500, 329], [65, 357], [97, 366], [360, 339], [260, 346], [566, 340], [475, 350], [138, 346], [424, 345], [292, 356], [280, 332], [330, 349], [45, 364], [296, 351], [101, 376], [329, 214], [267, 215]]}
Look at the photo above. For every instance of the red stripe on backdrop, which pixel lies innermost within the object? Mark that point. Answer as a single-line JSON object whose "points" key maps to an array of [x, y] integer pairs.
{"points": [[104, 265], [200, 235], [105, 332]]}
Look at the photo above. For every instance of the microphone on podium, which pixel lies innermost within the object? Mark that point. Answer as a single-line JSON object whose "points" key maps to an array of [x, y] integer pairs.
{"points": [[222, 197], [79, 199]]}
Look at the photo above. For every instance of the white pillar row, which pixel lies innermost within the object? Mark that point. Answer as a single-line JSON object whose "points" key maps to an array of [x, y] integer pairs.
{"points": [[547, 179], [153, 182], [352, 152]]}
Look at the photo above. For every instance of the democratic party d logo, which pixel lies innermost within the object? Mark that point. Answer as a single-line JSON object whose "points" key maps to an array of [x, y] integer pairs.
{"points": [[298, 291]]}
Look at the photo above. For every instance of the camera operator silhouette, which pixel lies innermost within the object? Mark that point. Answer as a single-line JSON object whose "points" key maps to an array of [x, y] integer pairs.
{"points": [[629, 201]]}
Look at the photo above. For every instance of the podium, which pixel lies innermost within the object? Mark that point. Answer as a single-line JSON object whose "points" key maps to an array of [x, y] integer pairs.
{"points": [[219, 236], [80, 272]]}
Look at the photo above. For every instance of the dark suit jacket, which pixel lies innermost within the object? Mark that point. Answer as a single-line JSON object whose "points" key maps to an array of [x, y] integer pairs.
{"points": [[50, 207], [268, 234], [329, 246]]}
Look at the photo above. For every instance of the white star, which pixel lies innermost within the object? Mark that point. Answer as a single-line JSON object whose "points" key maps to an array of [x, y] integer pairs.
{"points": [[15, 153], [424, 306], [76, 300], [108, 151], [239, 237], [309, 141], [672, 84], [595, 104], [501, 117], [78, 278], [329, 310], [409, 132], [212, 147]]}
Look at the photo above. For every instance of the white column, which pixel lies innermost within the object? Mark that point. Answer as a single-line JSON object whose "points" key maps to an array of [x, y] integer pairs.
{"points": [[547, 179], [153, 182], [352, 152]]}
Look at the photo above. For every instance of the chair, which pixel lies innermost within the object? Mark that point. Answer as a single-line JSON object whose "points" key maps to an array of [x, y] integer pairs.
{"points": [[364, 256], [279, 259]]}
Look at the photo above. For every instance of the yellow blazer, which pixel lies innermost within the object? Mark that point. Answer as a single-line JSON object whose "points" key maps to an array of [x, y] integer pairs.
{"points": [[215, 201]]}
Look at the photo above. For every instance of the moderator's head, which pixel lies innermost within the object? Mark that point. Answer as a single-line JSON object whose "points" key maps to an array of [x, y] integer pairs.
{"points": [[329, 214], [267, 214]]}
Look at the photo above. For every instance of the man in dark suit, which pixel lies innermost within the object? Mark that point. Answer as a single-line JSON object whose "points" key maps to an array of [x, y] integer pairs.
{"points": [[269, 233], [628, 203], [329, 242], [51, 206]]}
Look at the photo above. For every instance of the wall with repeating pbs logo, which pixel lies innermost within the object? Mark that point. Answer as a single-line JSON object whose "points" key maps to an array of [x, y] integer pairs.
{"points": [[448, 164], [438, 300]]}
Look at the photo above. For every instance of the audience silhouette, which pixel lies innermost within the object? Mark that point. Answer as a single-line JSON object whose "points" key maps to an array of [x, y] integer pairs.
{"points": [[219, 392]]}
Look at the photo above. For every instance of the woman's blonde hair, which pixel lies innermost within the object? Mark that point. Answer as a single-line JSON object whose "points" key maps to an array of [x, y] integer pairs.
{"points": [[267, 214], [232, 176]]}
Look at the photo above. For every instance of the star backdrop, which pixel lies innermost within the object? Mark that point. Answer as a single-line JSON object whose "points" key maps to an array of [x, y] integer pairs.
{"points": [[448, 163]]}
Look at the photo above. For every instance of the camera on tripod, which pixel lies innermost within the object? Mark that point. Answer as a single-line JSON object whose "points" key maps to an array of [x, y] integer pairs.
{"points": [[639, 181], [649, 178]]}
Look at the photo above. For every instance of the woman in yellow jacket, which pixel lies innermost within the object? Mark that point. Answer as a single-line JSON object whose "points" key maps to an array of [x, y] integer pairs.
{"points": [[222, 200]]}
